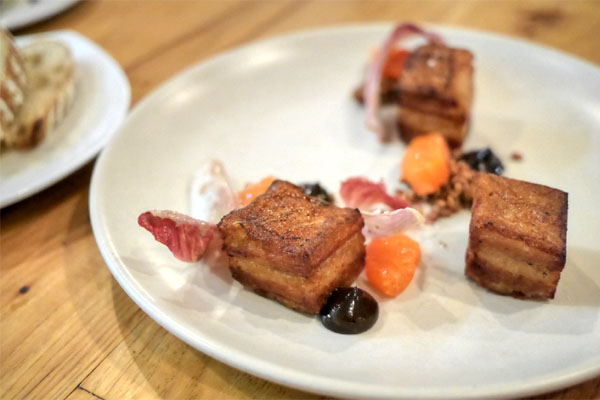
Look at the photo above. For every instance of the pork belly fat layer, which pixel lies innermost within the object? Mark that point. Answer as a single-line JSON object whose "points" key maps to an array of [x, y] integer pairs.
{"points": [[305, 294], [436, 93], [292, 247], [528, 212], [438, 80], [287, 228], [508, 274], [517, 236], [413, 123]]}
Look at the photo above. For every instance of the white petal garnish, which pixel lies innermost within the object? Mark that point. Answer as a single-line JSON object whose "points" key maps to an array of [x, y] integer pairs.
{"points": [[211, 196], [386, 223]]}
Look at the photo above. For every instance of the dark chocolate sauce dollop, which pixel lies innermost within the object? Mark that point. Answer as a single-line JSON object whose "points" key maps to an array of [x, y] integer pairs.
{"points": [[349, 311], [483, 160], [316, 190]]}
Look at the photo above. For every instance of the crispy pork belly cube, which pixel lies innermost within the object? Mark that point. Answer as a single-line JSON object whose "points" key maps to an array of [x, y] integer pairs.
{"points": [[436, 93], [294, 248], [517, 237]]}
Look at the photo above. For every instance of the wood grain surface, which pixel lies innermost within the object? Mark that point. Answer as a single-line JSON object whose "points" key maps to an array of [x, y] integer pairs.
{"points": [[67, 329]]}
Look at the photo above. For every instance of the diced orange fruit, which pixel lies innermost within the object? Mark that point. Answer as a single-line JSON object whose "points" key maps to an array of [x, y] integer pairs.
{"points": [[426, 163], [391, 263], [394, 65], [252, 191]]}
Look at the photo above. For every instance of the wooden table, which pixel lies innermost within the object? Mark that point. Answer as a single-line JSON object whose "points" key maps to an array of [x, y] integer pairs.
{"points": [[67, 329]]}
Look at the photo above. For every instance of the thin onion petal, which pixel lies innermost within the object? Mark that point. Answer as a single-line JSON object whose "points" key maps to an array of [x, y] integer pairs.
{"points": [[358, 192], [375, 71], [389, 222], [211, 195]]}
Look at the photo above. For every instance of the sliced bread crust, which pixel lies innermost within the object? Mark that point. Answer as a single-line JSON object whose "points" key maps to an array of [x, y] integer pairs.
{"points": [[13, 83], [50, 91]]}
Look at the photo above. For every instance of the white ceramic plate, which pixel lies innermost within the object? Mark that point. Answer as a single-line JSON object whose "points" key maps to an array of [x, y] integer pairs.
{"points": [[101, 102], [20, 13], [283, 107]]}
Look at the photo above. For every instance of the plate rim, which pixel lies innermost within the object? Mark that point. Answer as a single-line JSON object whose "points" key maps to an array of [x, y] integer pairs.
{"points": [[544, 384], [66, 169], [37, 12]]}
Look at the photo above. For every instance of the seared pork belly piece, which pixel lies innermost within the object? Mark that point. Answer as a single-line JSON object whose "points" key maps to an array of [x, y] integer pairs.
{"points": [[517, 237], [435, 93], [294, 248]]}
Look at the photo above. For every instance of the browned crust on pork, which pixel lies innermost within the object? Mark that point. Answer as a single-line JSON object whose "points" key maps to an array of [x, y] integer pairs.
{"points": [[287, 228], [517, 236], [438, 80], [293, 248], [533, 214], [436, 93], [303, 294]]}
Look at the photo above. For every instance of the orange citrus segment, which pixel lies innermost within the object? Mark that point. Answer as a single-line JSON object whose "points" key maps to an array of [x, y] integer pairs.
{"points": [[391, 263], [426, 163], [252, 191], [394, 65]]}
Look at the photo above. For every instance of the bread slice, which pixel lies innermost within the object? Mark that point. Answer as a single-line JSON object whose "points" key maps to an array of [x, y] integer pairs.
{"points": [[13, 83], [50, 91]]}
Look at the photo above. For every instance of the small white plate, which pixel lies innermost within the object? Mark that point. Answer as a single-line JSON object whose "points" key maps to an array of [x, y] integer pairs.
{"points": [[284, 107], [15, 14], [101, 102]]}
